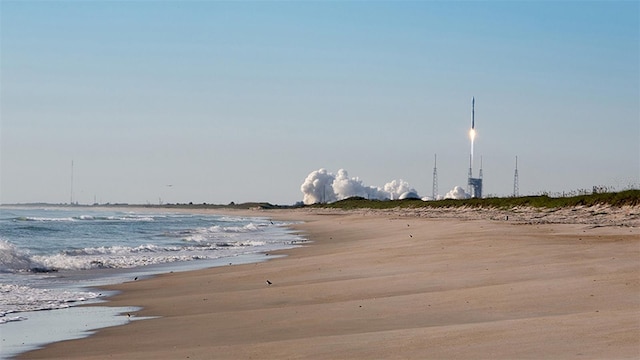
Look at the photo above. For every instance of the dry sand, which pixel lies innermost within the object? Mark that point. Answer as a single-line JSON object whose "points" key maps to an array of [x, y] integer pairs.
{"points": [[440, 284]]}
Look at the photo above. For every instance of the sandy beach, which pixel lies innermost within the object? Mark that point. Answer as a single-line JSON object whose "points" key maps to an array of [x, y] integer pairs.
{"points": [[400, 284]]}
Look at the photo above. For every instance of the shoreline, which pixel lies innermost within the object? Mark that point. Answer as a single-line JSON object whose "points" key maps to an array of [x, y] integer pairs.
{"points": [[26, 323], [393, 284], [85, 318]]}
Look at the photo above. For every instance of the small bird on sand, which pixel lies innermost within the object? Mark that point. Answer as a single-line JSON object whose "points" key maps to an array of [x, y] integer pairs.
{"points": [[135, 278], [269, 282]]}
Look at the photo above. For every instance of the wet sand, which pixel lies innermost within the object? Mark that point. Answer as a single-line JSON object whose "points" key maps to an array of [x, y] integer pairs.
{"points": [[463, 284]]}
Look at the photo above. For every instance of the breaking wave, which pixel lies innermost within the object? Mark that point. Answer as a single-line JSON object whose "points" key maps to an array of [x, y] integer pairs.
{"points": [[85, 218], [13, 259]]}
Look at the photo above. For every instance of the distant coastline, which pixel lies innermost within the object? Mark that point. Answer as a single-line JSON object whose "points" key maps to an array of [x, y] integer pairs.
{"points": [[621, 198]]}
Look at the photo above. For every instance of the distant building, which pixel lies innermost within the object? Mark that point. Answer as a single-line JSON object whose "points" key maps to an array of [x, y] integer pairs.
{"points": [[475, 187]]}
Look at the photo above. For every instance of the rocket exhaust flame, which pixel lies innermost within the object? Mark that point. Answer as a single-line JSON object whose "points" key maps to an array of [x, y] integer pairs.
{"points": [[472, 132], [472, 136]]}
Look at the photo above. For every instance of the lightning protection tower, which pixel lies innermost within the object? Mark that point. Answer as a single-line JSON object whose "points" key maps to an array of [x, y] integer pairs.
{"points": [[516, 186], [434, 190], [470, 176], [71, 193]]}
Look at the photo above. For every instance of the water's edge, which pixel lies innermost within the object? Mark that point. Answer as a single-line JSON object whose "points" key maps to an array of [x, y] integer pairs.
{"points": [[49, 326]]}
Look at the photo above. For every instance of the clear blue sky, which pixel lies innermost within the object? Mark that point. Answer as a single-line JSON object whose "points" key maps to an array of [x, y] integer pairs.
{"points": [[239, 101]]}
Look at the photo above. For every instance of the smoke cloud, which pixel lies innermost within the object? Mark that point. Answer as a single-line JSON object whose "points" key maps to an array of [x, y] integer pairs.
{"points": [[321, 186], [457, 193]]}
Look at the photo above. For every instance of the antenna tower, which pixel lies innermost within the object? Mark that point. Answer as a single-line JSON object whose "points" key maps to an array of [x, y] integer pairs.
{"points": [[71, 194], [434, 190], [516, 186], [470, 176]]}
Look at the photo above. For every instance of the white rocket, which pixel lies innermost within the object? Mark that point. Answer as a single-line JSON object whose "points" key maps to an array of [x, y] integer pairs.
{"points": [[473, 105]]}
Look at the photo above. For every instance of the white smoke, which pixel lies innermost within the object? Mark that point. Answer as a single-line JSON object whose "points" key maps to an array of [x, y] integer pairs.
{"points": [[457, 193], [317, 187], [321, 186]]}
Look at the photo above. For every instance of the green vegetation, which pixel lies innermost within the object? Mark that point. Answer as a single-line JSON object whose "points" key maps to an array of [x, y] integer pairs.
{"points": [[622, 198], [232, 205], [627, 197]]}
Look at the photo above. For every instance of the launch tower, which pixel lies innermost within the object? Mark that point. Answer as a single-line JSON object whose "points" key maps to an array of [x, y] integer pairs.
{"points": [[516, 186], [434, 189]]}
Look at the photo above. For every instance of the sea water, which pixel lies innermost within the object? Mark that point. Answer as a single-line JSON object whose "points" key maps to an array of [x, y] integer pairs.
{"points": [[54, 258]]}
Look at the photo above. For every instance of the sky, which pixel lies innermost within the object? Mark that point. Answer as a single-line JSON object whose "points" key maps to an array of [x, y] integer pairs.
{"points": [[240, 101]]}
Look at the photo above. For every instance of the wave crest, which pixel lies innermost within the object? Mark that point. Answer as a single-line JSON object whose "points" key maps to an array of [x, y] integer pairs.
{"points": [[13, 259], [128, 217]]}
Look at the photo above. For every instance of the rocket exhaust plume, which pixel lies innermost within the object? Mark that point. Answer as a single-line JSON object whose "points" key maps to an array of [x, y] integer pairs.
{"points": [[472, 136], [472, 132], [321, 186]]}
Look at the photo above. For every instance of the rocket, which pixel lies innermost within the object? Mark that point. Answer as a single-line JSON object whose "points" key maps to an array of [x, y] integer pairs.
{"points": [[473, 105]]}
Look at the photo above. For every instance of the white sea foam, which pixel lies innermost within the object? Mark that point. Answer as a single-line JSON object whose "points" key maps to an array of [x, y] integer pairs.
{"points": [[86, 218], [32, 218], [18, 298], [42, 248], [6, 319], [202, 239], [126, 259], [250, 227], [13, 259], [217, 235]]}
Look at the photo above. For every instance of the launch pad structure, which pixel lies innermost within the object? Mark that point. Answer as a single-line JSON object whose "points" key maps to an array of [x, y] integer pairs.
{"points": [[475, 187]]}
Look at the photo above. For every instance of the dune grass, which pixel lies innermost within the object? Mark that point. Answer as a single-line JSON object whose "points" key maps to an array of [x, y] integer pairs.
{"points": [[622, 198]]}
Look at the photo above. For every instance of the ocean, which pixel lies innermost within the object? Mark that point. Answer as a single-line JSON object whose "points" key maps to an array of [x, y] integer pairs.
{"points": [[56, 258]]}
